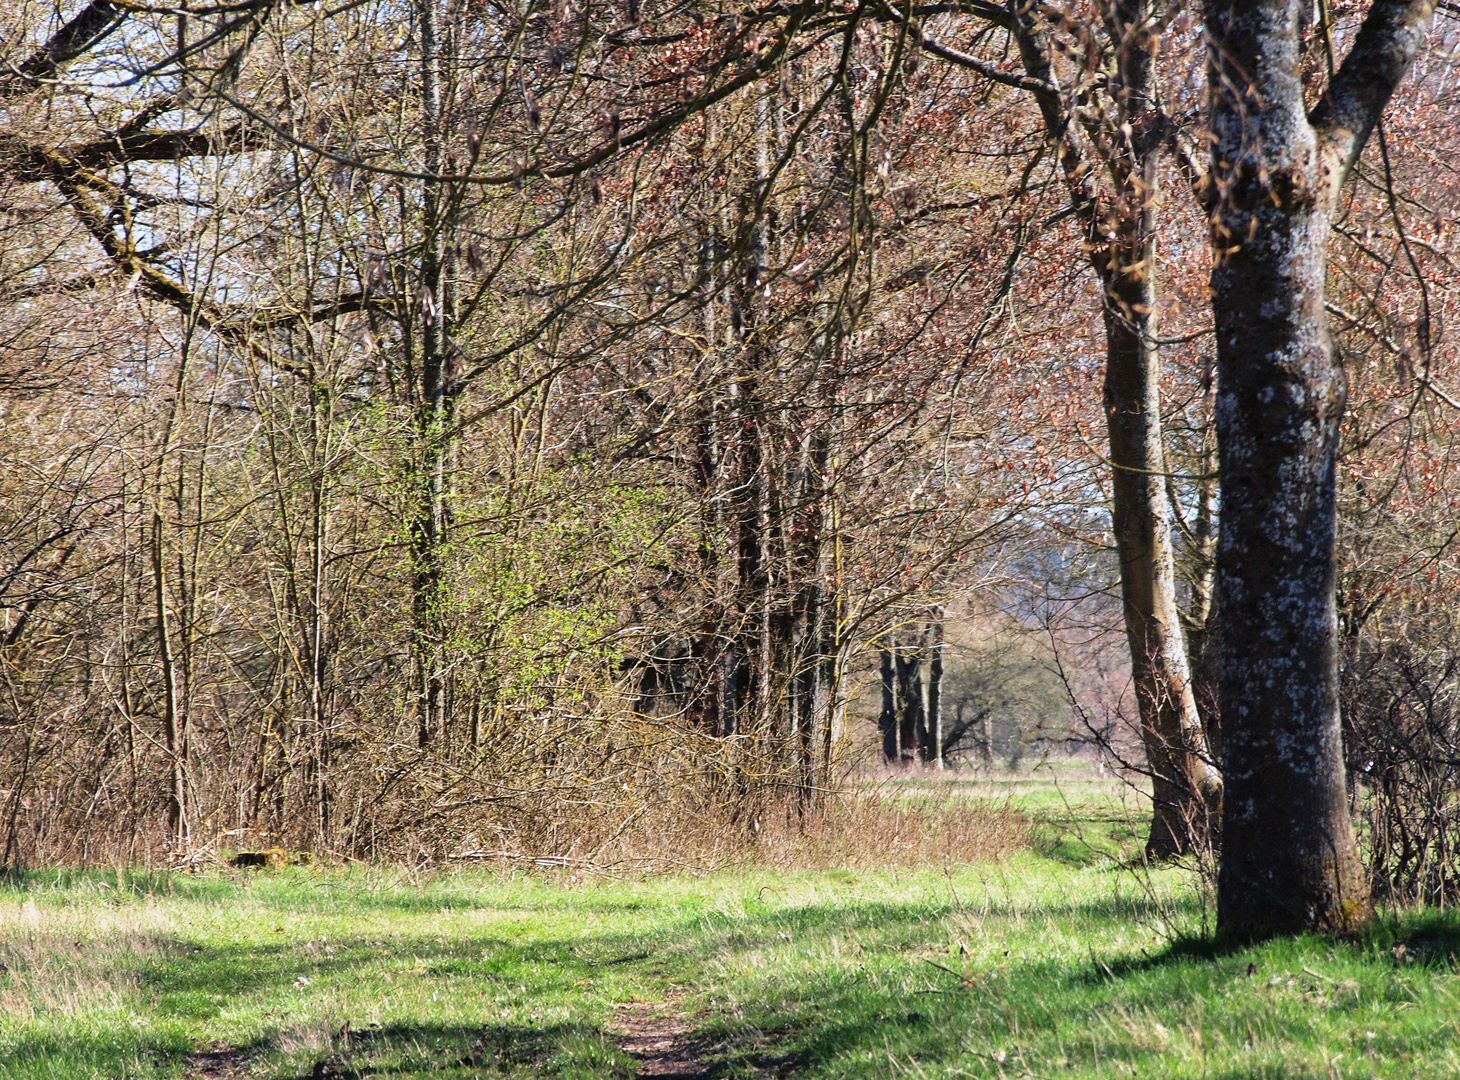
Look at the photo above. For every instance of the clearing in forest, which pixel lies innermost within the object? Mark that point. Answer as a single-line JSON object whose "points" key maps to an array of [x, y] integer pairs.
{"points": [[1054, 962]]}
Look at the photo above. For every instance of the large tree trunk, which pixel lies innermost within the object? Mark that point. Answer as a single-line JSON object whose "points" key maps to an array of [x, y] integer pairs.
{"points": [[1289, 861], [1187, 790]]}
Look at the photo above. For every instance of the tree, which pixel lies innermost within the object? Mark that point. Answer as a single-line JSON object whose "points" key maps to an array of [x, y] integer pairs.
{"points": [[1097, 84], [1289, 859]]}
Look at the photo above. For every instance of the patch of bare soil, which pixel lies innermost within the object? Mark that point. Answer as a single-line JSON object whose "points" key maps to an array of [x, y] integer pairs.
{"points": [[659, 1040], [218, 1063]]}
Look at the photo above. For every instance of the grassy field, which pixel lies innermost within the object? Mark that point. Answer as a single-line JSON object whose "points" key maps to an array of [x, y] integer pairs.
{"points": [[1055, 962]]}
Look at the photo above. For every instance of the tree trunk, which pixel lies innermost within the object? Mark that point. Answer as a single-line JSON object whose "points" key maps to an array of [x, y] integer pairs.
{"points": [[887, 722], [933, 753], [1289, 861], [174, 709], [434, 407], [1204, 652], [1202, 620], [1186, 787], [809, 697], [317, 624], [174, 691], [910, 697], [1121, 243], [709, 708], [751, 614], [831, 706], [810, 569]]}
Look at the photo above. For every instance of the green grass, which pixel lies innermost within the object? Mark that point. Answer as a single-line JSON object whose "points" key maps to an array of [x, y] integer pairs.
{"points": [[1054, 963]]}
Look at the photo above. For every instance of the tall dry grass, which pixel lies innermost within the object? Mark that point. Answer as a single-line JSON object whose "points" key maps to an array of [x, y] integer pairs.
{"points": [[853, 829], [77, 960], [623, 794]]}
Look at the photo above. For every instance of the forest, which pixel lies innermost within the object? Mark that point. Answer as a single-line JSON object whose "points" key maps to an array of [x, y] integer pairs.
{"points": [[590, 438]]}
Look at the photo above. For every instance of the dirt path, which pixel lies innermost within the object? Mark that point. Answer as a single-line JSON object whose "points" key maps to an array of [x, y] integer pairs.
{"points": [[653, 1034], [218, 1063], [659, 1040]]}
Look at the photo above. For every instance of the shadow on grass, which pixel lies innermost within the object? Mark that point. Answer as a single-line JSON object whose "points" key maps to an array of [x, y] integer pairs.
{"points": [[448, 1050], [188, 980], [64, 886], [1427, 939], [444, 1051], [960, 1012], [1422, 939]]}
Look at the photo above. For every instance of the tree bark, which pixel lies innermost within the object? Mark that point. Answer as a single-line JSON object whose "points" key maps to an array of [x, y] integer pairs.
{"points": [[1201, 620], [434, 408], [174, 708], [175, 704], [1289, 860], [910, 698], [710, 708], [1187, 790]]}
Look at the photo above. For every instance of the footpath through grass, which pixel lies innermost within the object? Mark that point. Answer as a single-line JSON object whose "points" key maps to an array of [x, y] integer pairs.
{"points": [[1053, 964]]}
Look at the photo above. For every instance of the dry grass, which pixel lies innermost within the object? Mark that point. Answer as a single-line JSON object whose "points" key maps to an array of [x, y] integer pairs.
{"points": [[76, 960], [871, 830], [606, 792], [676, 800], [858, 829], [628, 795]]}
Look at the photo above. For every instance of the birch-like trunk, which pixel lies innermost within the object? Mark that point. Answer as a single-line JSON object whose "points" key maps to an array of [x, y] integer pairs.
{"points": [[434, 406], [1187, 790], [1121, 233]]}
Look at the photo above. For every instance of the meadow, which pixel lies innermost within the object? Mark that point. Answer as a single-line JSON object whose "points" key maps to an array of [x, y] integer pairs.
{"points": [[1062, 959]]}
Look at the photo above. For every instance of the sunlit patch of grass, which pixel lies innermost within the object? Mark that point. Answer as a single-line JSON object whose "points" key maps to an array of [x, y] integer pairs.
{"points": [[1040, 968], [465, 973]]}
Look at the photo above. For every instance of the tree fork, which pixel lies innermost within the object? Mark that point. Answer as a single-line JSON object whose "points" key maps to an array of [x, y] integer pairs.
{"points": [[1289, 859]]}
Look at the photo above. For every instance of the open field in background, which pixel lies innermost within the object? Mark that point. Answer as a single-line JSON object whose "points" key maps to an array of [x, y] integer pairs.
{"points": [[1053, 961], [1074, 808]]}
